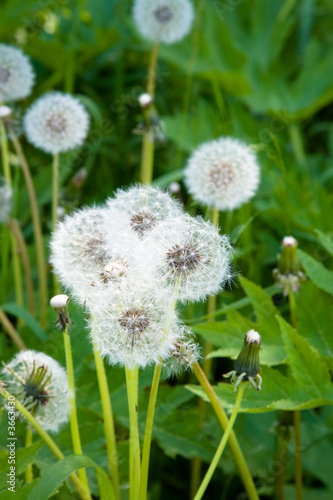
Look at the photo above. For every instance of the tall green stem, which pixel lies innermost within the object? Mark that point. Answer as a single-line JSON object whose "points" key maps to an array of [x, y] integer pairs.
{"points": [[233, 442], [132, 379], [55, 190], [222, 444], [72, 407], [148, 433], [37, 227], [48, 440], [110, 435], [28, 442]]}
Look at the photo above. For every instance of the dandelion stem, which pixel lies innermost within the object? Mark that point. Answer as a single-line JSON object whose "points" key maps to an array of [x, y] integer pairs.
{"points": [[110, 435], [222, 444], [37, 227], [132, 378], [47, 439], [72, 407], [233, 442], [28, 442], [148, 433], [147, 155], [12, 332], [55, 190]]}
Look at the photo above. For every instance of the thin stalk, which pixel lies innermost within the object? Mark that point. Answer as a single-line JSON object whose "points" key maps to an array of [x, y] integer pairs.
{"points": [[55, 190], [47, 439], [37, 227], [5, 156], [28, 442], [110, 435], [72, 408], [222, 444], [132, 378], [296, 416], [148, 433], [147, 154], [12, 332], [22, 248], [233, 442]]}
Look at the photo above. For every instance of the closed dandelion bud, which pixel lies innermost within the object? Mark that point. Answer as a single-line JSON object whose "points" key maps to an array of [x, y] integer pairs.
{"points": [[166, 21], [151, 122], [39, 383], [5, 112], [288, 274], [5, 200], [60, 304], [16, 74], [223, 173], [145, 100], [56, 123], [247, 365]]}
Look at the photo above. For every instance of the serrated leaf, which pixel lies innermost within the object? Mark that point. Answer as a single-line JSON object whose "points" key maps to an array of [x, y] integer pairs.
{"points": [[326, 240], [318, 273]]}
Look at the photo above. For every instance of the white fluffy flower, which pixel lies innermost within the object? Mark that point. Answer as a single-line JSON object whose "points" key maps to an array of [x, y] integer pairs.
{"points": [[166, 21], [5, 200], [56, 123], [16, 74], [39, 383], [140, 328], [223, 173], [192, 256]]}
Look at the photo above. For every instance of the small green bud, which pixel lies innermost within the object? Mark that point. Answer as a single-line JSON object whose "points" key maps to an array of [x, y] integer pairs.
{"points": [[288, 274], [60, 304]]}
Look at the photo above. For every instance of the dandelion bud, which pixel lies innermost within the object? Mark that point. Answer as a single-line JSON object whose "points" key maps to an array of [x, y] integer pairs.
{"points": [[59, 304], [5, 111], [16, 74], [174, 187], [145, 100], [247, 365], [288, 274], [39, 383]]}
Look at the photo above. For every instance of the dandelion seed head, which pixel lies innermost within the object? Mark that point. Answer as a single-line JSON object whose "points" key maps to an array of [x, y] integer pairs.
{"points": [[16, 74], [39, 383], [56, 122], [223, 173], [166, 21], [185, 353]]}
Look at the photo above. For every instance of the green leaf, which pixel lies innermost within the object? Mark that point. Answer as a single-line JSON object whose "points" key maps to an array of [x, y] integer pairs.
{"points": [[23, 458], [326, 240], [56, 475], [321, 276], [29, 320]]}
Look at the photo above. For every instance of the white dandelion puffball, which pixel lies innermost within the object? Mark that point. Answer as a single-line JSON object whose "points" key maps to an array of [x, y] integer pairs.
{"points": [[193, 258], [16, 74], [5, 200], [40, 384], [166, 21], [134, 214], [138, 329], [56, 122], [223, 173]]}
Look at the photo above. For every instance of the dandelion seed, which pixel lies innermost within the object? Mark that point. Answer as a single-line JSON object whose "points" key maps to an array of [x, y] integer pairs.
{"points": [[166, 21], [56, 123], [16, 74], [39, 383], [223, 173]]}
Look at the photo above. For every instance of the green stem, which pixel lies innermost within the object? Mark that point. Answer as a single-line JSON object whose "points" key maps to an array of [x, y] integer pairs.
{"points": [[152, 71], [72, 407], [28, 442], [55, 190], [47, 439], [110, 435], [132, 378], [12, 332], [222, 444], [233, 442], [37, 227], [5, 156], [148, 433]]}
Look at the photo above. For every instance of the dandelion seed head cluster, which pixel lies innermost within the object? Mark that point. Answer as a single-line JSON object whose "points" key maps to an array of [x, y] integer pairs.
{"points": [[166, 21], [56, 122], [40, 384], [129, 261], [16, 74], [223, 173], [6, 195]]}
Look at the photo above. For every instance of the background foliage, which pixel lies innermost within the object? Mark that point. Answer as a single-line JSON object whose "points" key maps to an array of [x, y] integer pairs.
{"points": [[259, 71]]}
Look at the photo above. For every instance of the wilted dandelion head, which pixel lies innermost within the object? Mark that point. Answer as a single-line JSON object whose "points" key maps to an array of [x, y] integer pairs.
{"points": [[39, 383], [56, 123], [140, 328], [137, 212], [5, 200], [16, 74], [193, 257], [166, 21], [223, 173], [185, 353]]}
